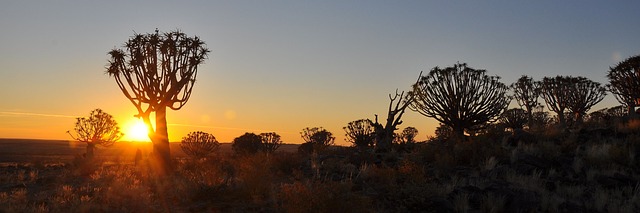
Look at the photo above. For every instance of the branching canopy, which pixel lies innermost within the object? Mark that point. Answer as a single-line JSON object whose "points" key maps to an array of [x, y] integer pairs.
{"points": [[98, 129], [526, 93], [360, 132], [555, 92], [318, 136], [157, 70], [270, 141], [583, 95], [459, 96], [624, 82]]}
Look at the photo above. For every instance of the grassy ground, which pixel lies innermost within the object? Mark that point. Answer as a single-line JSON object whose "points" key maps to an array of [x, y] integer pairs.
{"points": [[546, 172]]}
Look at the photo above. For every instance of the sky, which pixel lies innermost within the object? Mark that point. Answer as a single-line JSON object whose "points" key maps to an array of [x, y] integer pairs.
{"points": [[281, 66]]}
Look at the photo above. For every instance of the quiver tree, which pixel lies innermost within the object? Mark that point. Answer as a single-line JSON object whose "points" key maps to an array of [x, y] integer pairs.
{"points": [[247, 144], [624, 82], [360, 133], [555, 92], [199, 144], [526, 93], [514, 118], [315, 139], [583, 95], [460, 97], [157, 71], [270, 142], [98, 129]]}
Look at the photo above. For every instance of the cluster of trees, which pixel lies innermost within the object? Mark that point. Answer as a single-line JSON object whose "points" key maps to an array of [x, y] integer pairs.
{"points": [[157, 71]]}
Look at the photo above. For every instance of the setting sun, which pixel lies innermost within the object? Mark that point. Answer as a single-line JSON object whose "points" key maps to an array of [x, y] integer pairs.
{"points": [[136, 131]]}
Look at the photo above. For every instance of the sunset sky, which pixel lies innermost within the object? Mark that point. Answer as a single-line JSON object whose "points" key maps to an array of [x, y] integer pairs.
{"points": [[285, 65]]}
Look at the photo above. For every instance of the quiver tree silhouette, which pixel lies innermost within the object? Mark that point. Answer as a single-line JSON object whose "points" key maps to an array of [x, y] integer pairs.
{"points": [[315, 139], [360, 133], [199, 145], [460, 97], [555, 92], [624, 83], [583, 95], [514, 118], [98, 129], [247, 144], [270, 142], [526, 93], [157, 71]]}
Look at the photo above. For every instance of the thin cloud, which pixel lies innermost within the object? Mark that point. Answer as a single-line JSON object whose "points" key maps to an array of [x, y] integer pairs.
{"points": [[5, 113]]}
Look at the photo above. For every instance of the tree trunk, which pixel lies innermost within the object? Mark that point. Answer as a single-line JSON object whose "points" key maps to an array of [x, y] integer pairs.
{"points": [[458, 134], [161, 148], [90, 147], [561, 120]]}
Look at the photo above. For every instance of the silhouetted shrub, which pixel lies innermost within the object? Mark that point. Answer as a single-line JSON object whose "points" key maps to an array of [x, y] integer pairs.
{"points": [[270, 142], [514, 118], [249, 143], [316, 139], [360, 133], [199, 144]]}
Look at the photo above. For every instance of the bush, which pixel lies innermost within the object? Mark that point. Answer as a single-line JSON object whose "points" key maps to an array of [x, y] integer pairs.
{"points": [[247, 144], [199, 144]]}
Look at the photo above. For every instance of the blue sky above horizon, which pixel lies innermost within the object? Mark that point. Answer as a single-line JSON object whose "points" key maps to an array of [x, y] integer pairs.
{"points": [[286, 65]]}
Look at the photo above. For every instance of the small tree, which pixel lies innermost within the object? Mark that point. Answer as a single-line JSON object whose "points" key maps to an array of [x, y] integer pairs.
{"points": [[360, 133], [624, 82], [583, 95], [526, 93], [270, 142], [459, 97], [98, 129], [315, 139], [408, 135], [199, 144], [514, 118], [247, 144], [317, 135]]}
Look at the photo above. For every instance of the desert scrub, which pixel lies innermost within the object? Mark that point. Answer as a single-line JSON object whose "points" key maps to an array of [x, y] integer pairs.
{"points": [[317, 196]]}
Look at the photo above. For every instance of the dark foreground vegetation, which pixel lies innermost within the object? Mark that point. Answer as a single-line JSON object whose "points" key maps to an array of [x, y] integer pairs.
{"points": [[589, 170]]}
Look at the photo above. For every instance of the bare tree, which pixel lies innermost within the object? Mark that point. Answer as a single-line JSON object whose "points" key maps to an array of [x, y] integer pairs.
{"points": [[360, 133], [199, 144], [555, 92], [270, 142], [624, 82], [526, 93], [384, 135], [155, 72], [583, 95], [459, 97], [98, 129]]}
